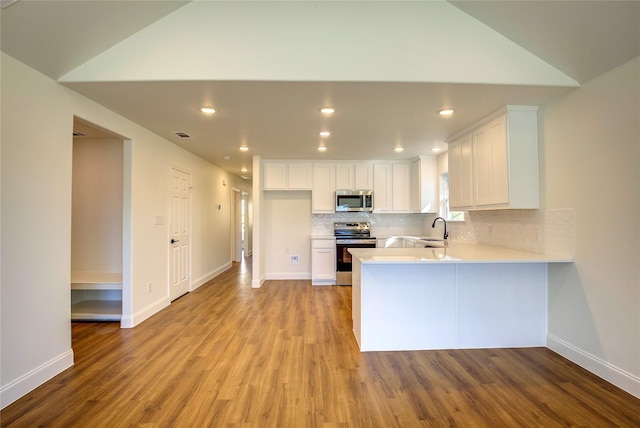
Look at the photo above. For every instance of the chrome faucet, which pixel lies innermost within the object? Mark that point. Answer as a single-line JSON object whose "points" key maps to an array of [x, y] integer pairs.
{"points": [[446, 234]]}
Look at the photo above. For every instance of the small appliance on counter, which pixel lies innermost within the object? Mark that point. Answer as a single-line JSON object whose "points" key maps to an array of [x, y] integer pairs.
{"points": [[350, 235]]}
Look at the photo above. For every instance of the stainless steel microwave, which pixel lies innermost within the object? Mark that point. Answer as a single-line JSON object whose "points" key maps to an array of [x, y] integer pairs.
{"points": [[354, 200]]}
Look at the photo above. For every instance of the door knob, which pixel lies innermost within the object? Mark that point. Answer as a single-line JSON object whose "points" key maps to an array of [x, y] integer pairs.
{"points": [[173, 241]]}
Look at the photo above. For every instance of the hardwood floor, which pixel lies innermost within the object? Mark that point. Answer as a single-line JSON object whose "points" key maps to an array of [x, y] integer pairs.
{"points": [[284, 355]]}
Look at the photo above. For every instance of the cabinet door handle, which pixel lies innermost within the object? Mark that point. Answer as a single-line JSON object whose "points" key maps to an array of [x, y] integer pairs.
{"points": [[173, 241]]}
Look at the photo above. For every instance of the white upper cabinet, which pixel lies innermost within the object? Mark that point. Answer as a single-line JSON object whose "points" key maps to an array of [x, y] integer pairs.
{"points": [[363, 175], [461, 173], [392, 187], [501, 169], [401, 187], [382, 187], [354, 175], [300, 176], [344, 176], [324, 188], [275, 175], [490, 163], [287, 175], [424, 185]]}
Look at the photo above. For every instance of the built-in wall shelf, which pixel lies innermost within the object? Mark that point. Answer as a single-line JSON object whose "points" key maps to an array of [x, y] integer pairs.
{"points": [[97, 310], [96, 296], [96, 281]]}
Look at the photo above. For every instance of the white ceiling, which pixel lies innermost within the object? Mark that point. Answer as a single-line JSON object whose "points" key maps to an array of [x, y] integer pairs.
{"points": [[379, 101]]}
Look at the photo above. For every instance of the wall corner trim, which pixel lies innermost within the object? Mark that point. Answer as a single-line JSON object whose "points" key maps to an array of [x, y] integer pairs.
{"points": [[130, 321], [257, 283]]}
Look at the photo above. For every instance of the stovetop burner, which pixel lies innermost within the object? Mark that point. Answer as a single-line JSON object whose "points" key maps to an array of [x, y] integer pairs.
{"points": [[360, 229]]}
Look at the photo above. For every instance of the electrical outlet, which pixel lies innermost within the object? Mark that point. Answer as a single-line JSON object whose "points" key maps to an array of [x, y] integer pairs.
{"points": [[293, 260]]}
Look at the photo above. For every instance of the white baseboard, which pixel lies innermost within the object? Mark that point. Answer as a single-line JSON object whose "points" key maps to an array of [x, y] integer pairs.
{"points": [[323, 282], [208, 277], [615, 375], [288, 275], [130, 321], [36, 377]]}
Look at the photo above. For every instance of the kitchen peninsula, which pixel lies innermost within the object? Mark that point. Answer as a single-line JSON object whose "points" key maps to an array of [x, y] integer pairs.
{"points": [[463, 296]]}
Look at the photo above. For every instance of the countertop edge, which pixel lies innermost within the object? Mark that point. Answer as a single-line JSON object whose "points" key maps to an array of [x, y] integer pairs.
{"points": [[455, 253]]}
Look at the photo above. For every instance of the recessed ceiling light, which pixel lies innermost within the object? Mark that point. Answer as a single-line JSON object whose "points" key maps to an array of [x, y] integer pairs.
{"points": [[436, 149], [325, 133], [327, 110], [243, 169], [322, 148], [208, 110], [398, 149], [226, 157], [244, 148], [445, 112]]}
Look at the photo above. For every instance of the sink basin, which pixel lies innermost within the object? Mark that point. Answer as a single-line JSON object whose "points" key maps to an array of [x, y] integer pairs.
{"points": [[433, 243]]}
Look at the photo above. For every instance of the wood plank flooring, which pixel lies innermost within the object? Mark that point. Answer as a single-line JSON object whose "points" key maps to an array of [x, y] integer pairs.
{"points": [[284, 355]]}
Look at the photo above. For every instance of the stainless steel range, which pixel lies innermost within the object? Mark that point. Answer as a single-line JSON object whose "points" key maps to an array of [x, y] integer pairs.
{"points": [[350, 235]]}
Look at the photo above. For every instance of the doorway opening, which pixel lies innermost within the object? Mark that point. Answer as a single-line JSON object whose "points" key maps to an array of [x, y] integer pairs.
{"points": [[239, 226], [96, 224]]}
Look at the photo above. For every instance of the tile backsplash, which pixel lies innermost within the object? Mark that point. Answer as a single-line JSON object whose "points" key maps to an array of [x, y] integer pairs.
{"points": [[539, 231], [381, 224]]}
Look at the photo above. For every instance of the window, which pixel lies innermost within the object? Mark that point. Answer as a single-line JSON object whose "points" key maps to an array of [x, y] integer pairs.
{"points": [[444, 201]]}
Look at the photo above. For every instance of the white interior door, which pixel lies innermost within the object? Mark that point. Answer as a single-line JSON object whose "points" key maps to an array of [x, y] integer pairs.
{"points": [[179, 258]]}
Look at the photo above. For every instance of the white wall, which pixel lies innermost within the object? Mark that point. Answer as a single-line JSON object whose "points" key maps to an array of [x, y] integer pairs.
{"points": [[96, 227], [590, 161], [36, 134], [287, 233], [36, 137]]}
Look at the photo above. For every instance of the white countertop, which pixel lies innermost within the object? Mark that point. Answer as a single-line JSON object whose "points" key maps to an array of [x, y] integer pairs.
{"points": [[457, 252]]}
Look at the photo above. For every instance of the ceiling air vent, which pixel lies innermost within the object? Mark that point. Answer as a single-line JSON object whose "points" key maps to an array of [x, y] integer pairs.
{"points": [[182, 134]]}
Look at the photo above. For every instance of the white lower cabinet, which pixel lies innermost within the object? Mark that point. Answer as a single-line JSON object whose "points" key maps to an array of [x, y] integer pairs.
{"points": [[323, 261]]}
